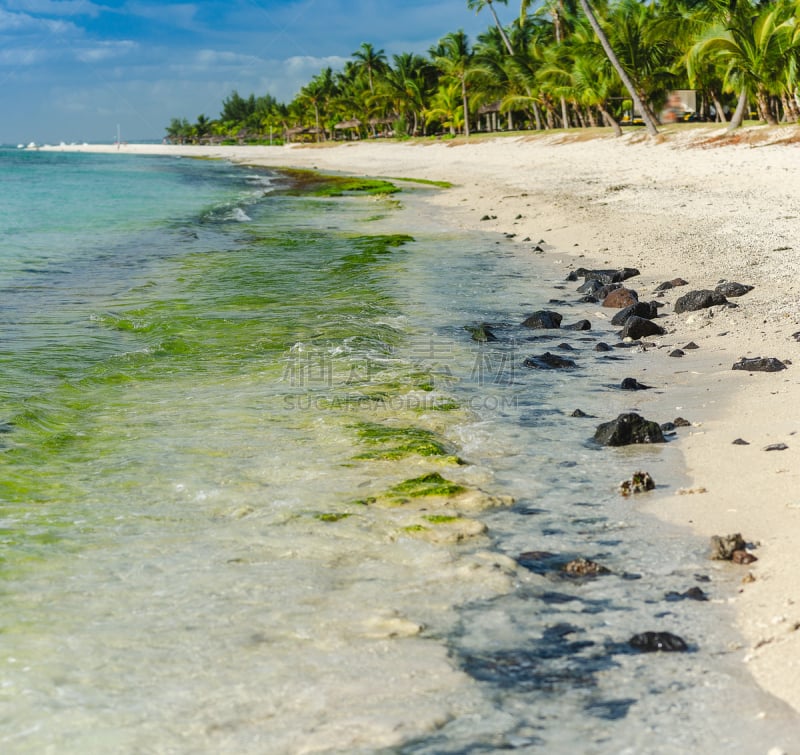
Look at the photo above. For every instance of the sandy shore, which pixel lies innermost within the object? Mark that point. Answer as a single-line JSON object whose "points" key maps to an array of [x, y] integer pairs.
{"points": [[686, 206]]}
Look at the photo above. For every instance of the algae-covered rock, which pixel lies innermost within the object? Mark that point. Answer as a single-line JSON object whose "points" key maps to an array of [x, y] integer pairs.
{"points": [[433, 491], [400, 442], [431, 484], [446, 530], [481, 333]]}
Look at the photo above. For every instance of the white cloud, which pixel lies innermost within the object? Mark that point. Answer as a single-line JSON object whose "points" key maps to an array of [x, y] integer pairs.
{"points": [[22, 22], [181, 14], [57, 7], [22, 57], [101, 51]]}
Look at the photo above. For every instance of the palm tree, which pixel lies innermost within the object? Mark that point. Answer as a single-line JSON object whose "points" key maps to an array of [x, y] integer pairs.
{"points": [[447, 107], [755, 45], [403, 88], [479, 5], [370, 61], [454, 59], [317, 94], [613, 59]]}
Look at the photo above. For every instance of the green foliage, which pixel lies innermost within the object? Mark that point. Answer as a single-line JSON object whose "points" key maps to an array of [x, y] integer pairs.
{"points": [[548, 69]]}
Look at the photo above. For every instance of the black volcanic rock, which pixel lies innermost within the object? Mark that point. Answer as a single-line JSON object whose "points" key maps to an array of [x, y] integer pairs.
{"points": [[543, 318], [628, 429], [658, 642], [730, 288], [548, 361], [637, 327], [695, 300], [759, 364]]}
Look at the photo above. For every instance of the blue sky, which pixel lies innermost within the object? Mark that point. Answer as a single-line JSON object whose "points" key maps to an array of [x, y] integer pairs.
{"points": [[72, 70]]}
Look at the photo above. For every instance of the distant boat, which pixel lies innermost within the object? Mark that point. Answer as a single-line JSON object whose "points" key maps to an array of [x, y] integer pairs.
{"points": [[20, 146], [32, 145]]}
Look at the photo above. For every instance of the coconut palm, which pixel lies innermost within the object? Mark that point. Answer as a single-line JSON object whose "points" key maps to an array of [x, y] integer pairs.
{"points": [[454, 59], [370, 61], [479, 5], [755, 45], [447, 107], [613, 59]]}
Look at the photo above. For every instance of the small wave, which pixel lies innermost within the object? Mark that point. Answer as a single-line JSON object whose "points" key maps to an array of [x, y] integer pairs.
{"points": [[239, 215]]}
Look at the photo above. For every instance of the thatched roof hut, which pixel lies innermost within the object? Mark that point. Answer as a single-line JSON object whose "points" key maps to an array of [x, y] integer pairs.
{"points": [[345, 125]]}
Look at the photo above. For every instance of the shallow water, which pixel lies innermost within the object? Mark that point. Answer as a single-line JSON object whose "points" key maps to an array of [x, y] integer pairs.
{"points": [[206, 401]]}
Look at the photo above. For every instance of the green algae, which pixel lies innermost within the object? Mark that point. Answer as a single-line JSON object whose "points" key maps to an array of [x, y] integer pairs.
{"points": [[441, 518], [424, 182], [400, 442], [331, 517], [430, 485], [312, 183]]}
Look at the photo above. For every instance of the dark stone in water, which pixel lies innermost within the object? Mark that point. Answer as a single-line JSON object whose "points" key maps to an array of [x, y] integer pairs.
{"points": [[632, 384], [643, 309], [691, 346], [584, 567], [602, 346], [677, 353], [693, 593], [580, 413], [695, 300], [611, 710], [628, 429], [566, 347], [548, 361], [740, 442], [681, 422], [637, 327], [590, 286], [580, 325], [658, 642], [776, 447], [543, 318], [759, 364]]}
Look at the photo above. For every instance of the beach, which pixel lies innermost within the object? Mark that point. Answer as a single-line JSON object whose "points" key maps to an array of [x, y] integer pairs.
{"points": [[690, 205]]}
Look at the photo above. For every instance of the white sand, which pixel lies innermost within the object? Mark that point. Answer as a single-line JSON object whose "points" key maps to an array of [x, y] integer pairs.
{"points": [[673, 207]]}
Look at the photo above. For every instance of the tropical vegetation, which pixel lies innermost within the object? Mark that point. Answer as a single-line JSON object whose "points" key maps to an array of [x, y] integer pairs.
{"points": [[555, 64]]}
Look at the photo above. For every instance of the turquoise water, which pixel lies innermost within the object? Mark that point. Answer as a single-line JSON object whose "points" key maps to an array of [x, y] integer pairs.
{"points": [[210, 391]]}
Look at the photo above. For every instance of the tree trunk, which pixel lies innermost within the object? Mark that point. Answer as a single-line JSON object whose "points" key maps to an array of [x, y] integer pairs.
{"points": [[611, 121], [764, 109], [721, 117], [500, 28], [538, 116], [465, 105], [652, 129], [738, 115]]}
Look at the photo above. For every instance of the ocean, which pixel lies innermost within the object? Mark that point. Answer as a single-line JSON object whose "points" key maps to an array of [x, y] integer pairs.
{"points": [[262, 492]]}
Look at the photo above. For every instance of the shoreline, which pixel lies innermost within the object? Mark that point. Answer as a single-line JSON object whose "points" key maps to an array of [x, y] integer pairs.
{"points": [[673, 208]]}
